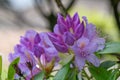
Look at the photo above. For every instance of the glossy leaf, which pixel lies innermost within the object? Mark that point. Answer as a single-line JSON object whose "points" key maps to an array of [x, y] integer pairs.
{"points": [[11, 70], [62, 73], [39, 76], [99, 73], [113, 47], [114, 75], [107, 64], [72, 75]]}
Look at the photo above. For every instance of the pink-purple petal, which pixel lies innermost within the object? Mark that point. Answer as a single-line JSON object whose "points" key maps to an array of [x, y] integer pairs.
{"points": [[69, 38], [79, 30], [93, 59]]}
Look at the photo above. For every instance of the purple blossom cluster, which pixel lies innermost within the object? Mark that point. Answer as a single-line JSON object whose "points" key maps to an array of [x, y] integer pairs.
{"points": [[36, 53], [39, 51], [80, 37]]}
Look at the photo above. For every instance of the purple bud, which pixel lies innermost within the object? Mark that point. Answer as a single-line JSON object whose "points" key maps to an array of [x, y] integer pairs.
{"points": [[37, 39], [38, 51], [69, 38], [79, 30], [61, 20], [76, 20], [60, 47], [58, 42]]}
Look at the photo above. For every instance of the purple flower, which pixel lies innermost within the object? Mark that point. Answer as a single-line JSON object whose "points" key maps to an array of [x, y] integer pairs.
{"points": [[35, 50], [80, 37], [85, 47], [70, 29], [27, 61], [30, 38], [58, 42], [66, 32]]}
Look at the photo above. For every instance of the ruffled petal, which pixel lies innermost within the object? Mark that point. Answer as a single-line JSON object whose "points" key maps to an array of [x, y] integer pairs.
{"points": [[93, 59], [80, 62], [69, 38], [79, 30]]}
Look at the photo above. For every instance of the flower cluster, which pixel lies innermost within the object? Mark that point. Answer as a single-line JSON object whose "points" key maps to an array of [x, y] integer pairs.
{"points": [[79, 36], [39, 51], [36, 53]]}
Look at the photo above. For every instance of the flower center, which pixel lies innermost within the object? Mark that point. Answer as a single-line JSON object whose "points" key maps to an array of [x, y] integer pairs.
{"points": [[83, 54], [82, 45]]}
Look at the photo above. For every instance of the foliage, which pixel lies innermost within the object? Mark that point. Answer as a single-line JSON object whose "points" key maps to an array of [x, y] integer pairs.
{"points": [[11, 69]]}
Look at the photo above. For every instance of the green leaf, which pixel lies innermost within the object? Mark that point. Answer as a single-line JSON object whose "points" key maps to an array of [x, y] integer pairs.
{"points": [[39, 76], [11, 70], [107, 64], [72, 74], [0, 65], [113, 47], [61, 74], [114, 75], [66, 59], [99, 73]]}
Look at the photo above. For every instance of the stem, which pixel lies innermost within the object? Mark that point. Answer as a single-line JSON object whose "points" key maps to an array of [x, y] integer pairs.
{"points": [[62, 8], [86, 74], [114, 4]]}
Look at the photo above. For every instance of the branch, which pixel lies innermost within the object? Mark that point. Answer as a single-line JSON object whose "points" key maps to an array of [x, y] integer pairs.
{"points": [[62, 8], [70, 4], [116, 14]]}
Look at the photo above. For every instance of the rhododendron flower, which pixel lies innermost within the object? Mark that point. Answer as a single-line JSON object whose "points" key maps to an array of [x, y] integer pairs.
{"points": [[85, 47], [71, 28], [36, 53], [80, 37], [27, 61], [39, 51], [66, 32]]}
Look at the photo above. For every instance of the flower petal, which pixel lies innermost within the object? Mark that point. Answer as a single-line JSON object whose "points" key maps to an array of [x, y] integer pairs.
{"points": [[60, 47], [93, 59], [37, 39], [90, 31], [69, 38], [56, 29], [82, 42], [79, 30], [80, 62], [38, 51], [61, 21], [85, 19], [76, 20]]}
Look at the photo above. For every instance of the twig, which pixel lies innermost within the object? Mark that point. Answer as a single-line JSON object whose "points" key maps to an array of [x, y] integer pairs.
{"points": [[70, 4], [62, 8], [115, 10]]}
